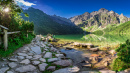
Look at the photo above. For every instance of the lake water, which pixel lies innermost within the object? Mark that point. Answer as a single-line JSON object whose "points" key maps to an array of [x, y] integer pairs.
{"points": [[100, 40]]}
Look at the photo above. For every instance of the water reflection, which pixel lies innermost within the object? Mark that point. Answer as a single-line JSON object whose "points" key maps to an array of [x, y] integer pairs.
{"points": [[106, 39]]}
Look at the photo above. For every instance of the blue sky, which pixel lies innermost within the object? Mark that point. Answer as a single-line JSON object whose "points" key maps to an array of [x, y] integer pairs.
{"points": [[70, 8]]}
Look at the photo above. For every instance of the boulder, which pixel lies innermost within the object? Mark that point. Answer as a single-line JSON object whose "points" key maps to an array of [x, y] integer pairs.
{"points": [[36, 49], [42, 66], [35, 62], [21, 57], [87, 65], [30, 54], [13, 60], [106, 71], [10, 72], [93, 59], [26, 61], [28, 57], [59, 55], [112, 52], [89, 72], [67, 70], [51, 68], [101, 52], [106, 64], [12, 65], [69, 48], [53, 49], [94, 49], [37, 57], [53, 59], [22, 54], [27, 49], [42, 59], [3, 70], [27, 68], [63, 63], [48, 55]]}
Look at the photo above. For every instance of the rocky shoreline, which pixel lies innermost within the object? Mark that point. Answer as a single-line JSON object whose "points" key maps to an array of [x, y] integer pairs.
{"points": [[40, 56], [36, 57]]}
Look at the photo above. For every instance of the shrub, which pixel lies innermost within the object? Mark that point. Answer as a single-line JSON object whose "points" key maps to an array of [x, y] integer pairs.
{"points": [[123, 52], [98, 32], [119, 65], [123, 60]]}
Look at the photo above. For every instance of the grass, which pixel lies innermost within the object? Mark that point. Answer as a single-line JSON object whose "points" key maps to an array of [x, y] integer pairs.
{"points": [[13, 46]]}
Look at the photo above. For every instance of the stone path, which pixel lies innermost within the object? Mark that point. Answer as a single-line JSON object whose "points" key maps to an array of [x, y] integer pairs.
{"points": [[39, 57], [36, 57]]}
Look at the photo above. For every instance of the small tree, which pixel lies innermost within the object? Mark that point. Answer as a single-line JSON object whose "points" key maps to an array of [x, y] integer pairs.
{"points": [[123, 52], [123, 60]]}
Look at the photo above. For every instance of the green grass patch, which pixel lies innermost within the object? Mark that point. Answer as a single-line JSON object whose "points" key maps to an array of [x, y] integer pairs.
{"points": [[14, 44]]}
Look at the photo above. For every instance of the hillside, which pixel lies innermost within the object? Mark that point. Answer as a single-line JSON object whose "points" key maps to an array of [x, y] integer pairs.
{"points": [[61, 20], [98, 19], [44, 24], [116, 29]]}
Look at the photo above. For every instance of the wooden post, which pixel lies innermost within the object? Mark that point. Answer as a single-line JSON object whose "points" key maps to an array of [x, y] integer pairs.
{"points": [[27, 33], [5, 39]]}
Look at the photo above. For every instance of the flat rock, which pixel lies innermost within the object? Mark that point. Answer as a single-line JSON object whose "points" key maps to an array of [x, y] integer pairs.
{"points": [[42, 66], [35, 62], [3, 70], [42, 59], [30, 54], [67, 70], [48, 55], [22, 54], [9, 72], [37, 56], [53, 49], [112, 52], [51, 68], [27, 68], [13, 60], [59, 55], [53, 59], [106, 71], [27, 49], [36, 49], [28, 57], [87, 65], [94, 49], [26, 61], [64, 63], [89, 72], [21, 57], [12, 65]]}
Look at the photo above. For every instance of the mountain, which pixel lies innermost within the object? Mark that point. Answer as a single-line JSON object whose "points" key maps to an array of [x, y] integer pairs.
{"points": [[100, 18], [44, 24], [123, 28], [61, 20]]}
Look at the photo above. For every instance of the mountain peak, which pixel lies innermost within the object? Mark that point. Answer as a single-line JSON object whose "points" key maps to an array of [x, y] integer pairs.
{"points": [[86, 13], [121, 14], [103, 10], [111, 11]]}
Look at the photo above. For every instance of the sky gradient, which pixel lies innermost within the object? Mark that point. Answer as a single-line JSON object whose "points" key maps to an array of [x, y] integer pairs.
{"points": [[70, 8]]}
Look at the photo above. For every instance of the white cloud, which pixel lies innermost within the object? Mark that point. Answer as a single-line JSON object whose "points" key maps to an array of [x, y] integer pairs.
{"points": [[24, 2]]}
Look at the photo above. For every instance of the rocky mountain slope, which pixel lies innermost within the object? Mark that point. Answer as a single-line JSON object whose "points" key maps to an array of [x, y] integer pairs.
{"points": [[44, 24], [99, 18], [61, 20]]}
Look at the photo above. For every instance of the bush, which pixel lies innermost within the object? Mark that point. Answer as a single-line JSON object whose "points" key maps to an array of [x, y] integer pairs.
{"points": [[98, 32], [123, 52], [123, 60], [14, 44], [119, 65]]}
